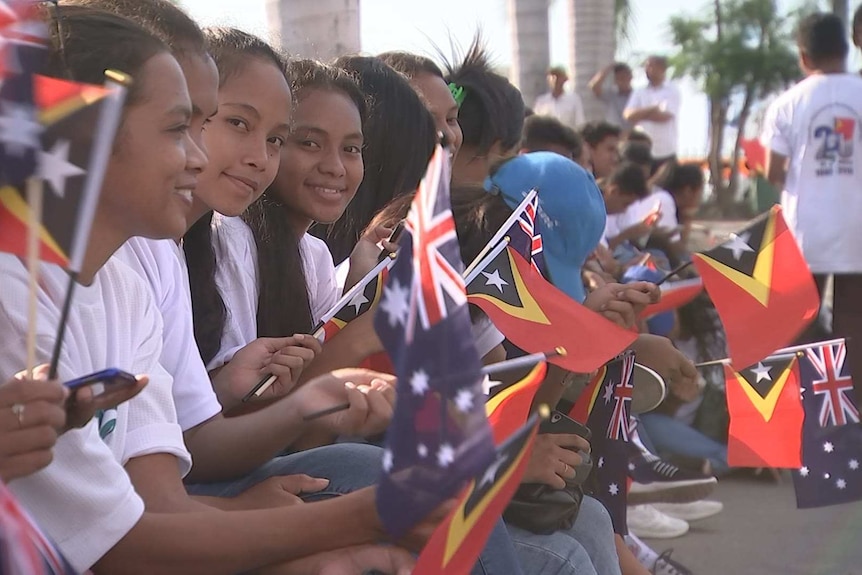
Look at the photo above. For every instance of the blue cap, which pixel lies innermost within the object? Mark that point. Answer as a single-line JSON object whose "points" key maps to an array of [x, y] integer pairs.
{"points": [[571, 211]]}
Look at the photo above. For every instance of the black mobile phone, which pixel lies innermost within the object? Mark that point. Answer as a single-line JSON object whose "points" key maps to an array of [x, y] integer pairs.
{"points": [[396, 234], [103, 379]]}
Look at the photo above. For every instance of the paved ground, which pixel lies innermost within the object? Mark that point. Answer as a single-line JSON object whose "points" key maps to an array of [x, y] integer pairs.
{"points": [[760, 532]]}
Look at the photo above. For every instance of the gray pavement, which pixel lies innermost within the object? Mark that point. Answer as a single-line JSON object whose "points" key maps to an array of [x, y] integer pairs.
{"points": [[760, 531]]}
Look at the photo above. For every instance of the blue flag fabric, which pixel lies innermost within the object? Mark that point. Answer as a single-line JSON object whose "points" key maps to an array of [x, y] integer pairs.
{"points": [[525, 236], [23, 36], [439, 437], [831, 433]]}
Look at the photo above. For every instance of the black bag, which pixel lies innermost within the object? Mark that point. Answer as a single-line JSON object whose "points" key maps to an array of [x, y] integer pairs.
{"points": [[542, 509]]}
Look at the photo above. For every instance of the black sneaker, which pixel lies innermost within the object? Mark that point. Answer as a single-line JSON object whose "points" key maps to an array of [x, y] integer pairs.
{"points": [[657, 481], [664, 565]]}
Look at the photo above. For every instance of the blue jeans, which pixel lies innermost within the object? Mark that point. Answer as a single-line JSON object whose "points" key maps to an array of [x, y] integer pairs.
{"points": [[663, 434], [587, 548], [349, 467]]}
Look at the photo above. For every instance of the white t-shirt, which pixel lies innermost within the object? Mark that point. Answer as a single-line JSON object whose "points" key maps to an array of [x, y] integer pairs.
{"points": [[568, 108], [657, 199], [84, 499], [237, 280], [664, 135], [162, 264], [817, 124], [486, 335]]}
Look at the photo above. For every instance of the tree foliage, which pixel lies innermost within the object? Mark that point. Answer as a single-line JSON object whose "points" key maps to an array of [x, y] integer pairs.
{"points": [[738, 49]]}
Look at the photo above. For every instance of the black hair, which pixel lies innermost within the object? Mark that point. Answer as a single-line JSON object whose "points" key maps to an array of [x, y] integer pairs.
{"points": [[857, 18], [411, 65], [94, 41], [636, 153], [281, 274], [822, 38], [541, 131], [493, 109], [400, 138], [639, 137], [629, 178], [229, 48], [161, 18], [680, 176], [595, 132], [621, 67]]}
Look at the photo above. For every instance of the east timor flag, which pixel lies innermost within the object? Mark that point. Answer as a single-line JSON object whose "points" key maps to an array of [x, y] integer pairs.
{"points": [[761, 286], [536, 316], [71, 113], [458, 540], [766, 414], [359, 300], [509, 408]]}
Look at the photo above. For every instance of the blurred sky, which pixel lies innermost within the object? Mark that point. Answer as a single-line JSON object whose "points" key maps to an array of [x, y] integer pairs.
{"points": [[419, 25]]}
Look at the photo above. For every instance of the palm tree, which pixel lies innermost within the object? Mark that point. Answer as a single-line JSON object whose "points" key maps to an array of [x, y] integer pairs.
{"points": [[842, 9], [593, 44], [531, 54], [322, 29]]}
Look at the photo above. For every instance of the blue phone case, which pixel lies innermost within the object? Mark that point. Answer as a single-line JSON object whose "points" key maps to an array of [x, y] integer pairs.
{"points": [[110, 376]]}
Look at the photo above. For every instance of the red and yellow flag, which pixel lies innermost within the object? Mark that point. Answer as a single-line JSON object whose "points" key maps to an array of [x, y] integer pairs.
{"points": [[536, 316], [509, 409], [761, 287], [765, 406]]}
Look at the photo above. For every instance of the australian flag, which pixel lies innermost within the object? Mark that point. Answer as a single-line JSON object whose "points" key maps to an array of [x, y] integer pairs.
{"points": [[525, 237], [831, 434], [606, 406], [439, 437]]}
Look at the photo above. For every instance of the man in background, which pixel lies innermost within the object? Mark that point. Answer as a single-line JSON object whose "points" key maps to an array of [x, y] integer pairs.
{"points": [[616, 98], [564, 106], [654, 110]]}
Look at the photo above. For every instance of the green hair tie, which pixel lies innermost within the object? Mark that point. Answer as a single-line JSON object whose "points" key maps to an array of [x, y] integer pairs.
{"points": [[458, 93]]}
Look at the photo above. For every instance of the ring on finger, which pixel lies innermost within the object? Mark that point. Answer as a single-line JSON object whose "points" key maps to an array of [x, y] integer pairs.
{"points": [[18, 410]]}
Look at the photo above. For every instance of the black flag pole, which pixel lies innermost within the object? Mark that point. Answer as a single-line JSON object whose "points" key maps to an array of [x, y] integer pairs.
{"points": [[673, 272], [61, 329]]}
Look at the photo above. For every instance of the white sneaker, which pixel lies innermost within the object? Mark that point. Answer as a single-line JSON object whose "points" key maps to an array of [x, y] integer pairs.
{"points": [[647, 521], [691, 511]]}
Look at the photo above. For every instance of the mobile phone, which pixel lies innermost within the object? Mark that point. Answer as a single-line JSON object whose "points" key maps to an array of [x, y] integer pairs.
{"points": [[101, 380], [394, 237]]}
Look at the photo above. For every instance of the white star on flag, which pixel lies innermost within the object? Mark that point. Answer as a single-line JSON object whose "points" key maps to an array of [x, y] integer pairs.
{"points": [[494, 279], [491, 473], [803, 471], [55, 167], [840, 484], [609, 392], [419, 382], [464, 400], [387, 460], [422, 450], [828, 447], [601, 462], [853, 464], [762, 372], [738, 244], [19, 130], [446, 455], [613, 489], [631, 466], [357, 301], [395, 303]]}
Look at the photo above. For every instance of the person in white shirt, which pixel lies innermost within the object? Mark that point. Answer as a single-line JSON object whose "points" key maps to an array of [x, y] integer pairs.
{"points": [[90, 499], [603, 140], [813, 137], [617, 98], [654, 110], [564, 106]]}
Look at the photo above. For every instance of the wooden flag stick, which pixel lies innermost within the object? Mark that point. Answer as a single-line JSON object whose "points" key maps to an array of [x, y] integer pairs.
{"points": [[34, 202], [673, 272], [500, 234]]}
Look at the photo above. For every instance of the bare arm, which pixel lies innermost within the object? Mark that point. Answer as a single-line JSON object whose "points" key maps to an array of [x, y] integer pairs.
{"points": [[776, 169], [651, 113], [215, 542], [597, 82]]}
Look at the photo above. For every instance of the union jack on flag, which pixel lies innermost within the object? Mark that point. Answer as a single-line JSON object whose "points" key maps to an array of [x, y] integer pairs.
{"points": [[832, 381], [437, 285], [524, 235], [621, 395]]}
